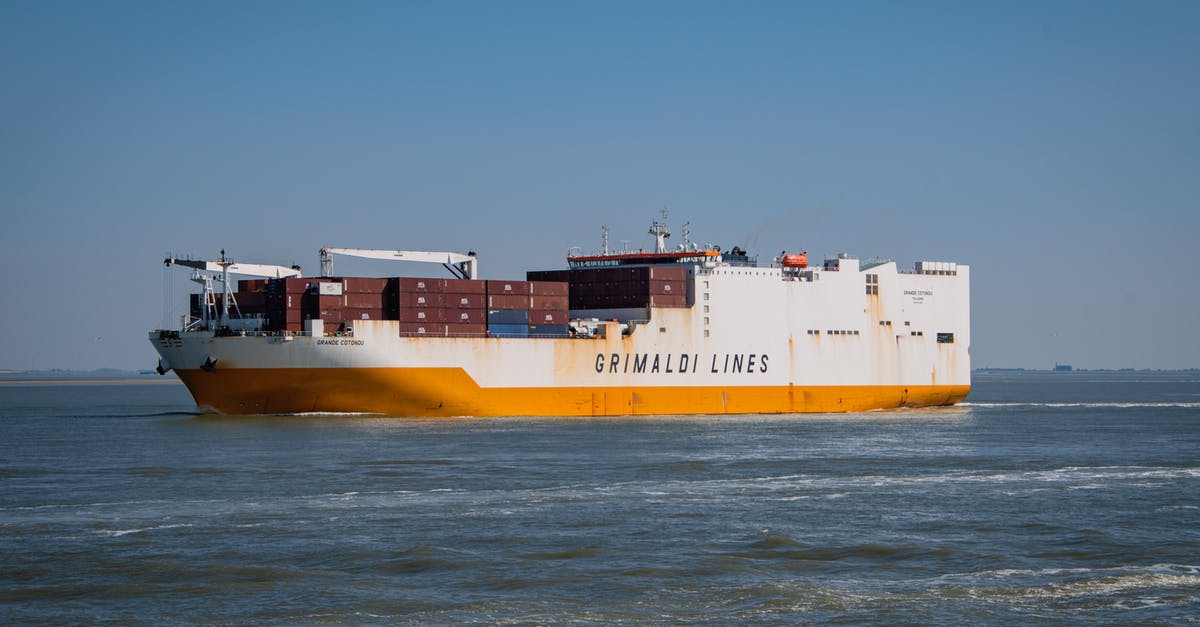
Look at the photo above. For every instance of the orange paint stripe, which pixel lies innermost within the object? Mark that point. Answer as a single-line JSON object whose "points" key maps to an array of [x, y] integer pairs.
{"points": [[451, 392]]}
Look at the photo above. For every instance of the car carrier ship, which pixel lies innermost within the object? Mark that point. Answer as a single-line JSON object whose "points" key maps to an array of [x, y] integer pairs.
{"points": [[684, 330]]}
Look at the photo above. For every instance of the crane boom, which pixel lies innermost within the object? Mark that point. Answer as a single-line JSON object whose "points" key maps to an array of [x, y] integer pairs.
{"points": [[247, 269], [463, 264]]}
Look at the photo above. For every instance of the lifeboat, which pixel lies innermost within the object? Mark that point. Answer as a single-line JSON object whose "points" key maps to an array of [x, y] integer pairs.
{"points": [[795, 260]]}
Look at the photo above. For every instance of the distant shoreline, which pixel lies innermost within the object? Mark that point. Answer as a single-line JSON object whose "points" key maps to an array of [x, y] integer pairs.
{"points": [[6, 381]]}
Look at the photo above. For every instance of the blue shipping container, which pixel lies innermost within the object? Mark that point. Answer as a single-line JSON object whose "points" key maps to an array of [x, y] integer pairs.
{"points": [[548, 330], [508, 316], [508, 330]]}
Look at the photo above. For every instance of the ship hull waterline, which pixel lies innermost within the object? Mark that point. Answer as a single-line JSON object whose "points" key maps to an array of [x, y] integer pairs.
{"points": [[451, 392]]}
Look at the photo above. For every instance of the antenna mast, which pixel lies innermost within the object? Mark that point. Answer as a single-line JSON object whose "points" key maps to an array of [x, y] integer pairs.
{"points": [[660, 233]]}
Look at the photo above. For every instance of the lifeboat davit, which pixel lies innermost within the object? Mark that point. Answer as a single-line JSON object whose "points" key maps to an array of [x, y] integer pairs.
{"points": [[795, 260]]}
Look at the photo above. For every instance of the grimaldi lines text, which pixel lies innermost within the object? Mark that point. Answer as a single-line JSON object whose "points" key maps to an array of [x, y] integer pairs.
{"points": [[683, 333]]}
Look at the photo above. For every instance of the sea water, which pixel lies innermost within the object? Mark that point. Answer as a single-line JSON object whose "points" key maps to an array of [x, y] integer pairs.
{"points": [[1065, 496]]}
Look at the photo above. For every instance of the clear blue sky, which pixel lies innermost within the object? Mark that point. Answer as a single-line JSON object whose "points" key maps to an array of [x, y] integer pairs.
{"points": [[1053, 146]]}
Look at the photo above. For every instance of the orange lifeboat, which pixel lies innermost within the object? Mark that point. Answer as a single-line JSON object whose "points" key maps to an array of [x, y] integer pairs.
{"points": [[795, 260]]}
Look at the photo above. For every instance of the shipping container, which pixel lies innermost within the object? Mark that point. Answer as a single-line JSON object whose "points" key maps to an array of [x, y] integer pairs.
{"points": [[464, 301], [548, 302], [365, 300], [419, 299], [252, 285], [508, 330], [668, 287], [410, 284], [465, 286], [508, 302], [508, 288], [364, 285], [466, 330], [464, 316], [508, 316], [421, 315], [548, 330], [548, 288], [548, 316]]}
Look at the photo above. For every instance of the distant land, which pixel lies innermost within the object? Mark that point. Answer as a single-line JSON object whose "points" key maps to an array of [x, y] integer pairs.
{"points": [[74, 375]]}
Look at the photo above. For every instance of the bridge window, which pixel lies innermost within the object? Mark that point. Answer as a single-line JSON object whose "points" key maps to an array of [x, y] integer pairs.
{"points": [[945, 338]]}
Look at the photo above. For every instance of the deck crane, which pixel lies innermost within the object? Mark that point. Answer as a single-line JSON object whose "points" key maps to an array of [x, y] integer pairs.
{"points": [[205, 272], [462, 265]]}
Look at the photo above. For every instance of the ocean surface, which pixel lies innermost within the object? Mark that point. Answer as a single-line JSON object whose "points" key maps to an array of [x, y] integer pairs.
{"points": [[1070, 497]]}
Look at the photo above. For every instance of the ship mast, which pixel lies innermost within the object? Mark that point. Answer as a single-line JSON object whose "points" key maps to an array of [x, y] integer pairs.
{"points": [[660, 233]]}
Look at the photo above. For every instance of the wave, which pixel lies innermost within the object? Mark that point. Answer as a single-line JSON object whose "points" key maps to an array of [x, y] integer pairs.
{"points": [[125, 532], [1112, 405]]}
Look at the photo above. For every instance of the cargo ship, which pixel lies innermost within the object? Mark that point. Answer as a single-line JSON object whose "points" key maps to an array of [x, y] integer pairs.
{"points": [[684, 330]]}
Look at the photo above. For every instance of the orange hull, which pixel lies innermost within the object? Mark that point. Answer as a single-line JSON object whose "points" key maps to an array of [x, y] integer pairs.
{"points": [[451, 392]]}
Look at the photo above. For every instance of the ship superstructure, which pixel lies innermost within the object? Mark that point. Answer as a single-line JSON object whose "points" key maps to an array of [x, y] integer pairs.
{"points": [[692, 330]]}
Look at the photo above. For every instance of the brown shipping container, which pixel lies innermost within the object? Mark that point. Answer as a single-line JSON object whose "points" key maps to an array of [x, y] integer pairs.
{"points": [[419, 300], [548, 302], [360, 300], [548, 316], [668, 273], [465, 286], [464, 316], [363, 285], [548, 288], [295, 285], [421, 315], [508, 302], [422, 328], [668, 288], [463, 301], [252, 285], [508, 288], [466, 330], [659, 300], [411, 284]]}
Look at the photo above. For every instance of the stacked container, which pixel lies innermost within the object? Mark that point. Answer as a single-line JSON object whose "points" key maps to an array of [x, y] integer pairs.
{"points": [[619, 288], [526, 308], [445, 307]]}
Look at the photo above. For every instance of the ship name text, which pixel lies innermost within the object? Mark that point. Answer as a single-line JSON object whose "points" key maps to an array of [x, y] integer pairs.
{"points": [[682, 363], [340, 341]]}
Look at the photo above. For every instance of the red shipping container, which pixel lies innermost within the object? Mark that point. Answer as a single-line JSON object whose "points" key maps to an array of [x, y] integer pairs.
{"points": [[464, 316], [362, 313], [252, 285], [668, 288], [463, 301], [668, 273], [363, 285], [421, 315], [508, 302], [548, 288], [358, 300], [419, 300], [508, 288], [466, 330], [548, 302], [411, 284], [548, 316], [430, 328], [465, 286]]}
